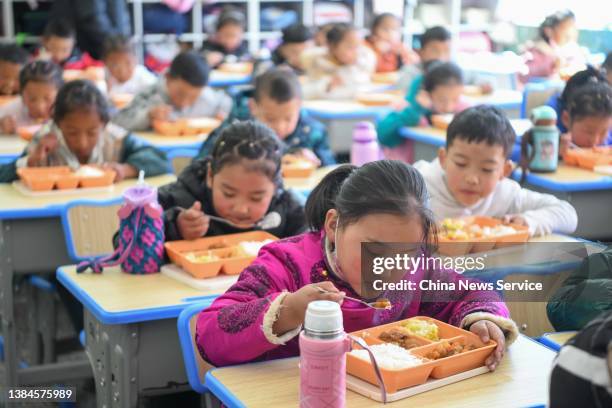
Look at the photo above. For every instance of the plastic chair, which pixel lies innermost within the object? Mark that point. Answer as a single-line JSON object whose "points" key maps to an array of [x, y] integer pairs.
{"points": [[537, 94], [181, 158], [195, 365]]}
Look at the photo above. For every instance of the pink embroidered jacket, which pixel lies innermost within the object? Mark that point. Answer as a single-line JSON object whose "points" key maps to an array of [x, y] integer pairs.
{"points": [[230, 330]]}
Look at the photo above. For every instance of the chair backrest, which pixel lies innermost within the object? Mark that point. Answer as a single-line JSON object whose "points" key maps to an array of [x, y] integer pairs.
{"points": [[537, 94], [180, 158], [89, 229], [195, 365]]}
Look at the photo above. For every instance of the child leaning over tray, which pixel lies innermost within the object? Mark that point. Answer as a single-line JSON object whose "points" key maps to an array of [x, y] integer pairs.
{"points": [[382, 201], [470, 177]]}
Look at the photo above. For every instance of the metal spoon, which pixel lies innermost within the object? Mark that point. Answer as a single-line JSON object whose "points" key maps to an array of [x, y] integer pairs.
{"points": [[373, 305]]}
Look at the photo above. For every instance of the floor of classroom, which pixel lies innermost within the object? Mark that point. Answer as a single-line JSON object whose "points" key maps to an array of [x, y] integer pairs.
{"points": [[85, 390]]}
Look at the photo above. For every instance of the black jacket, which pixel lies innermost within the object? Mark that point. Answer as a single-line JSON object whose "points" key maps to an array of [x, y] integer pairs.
{"points": [[191, 186], [94, 20]]}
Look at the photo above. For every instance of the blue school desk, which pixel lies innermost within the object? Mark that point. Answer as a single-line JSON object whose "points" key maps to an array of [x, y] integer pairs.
{"points": [[220, 79], [590, 193], [11, 147], [130, 324], [168, 144], [521, 379], [427, 140], [35, 239], [339, 117], [508, 100], [556, 340]]}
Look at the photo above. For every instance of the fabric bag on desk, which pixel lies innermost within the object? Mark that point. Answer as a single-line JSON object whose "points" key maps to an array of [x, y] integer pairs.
{"points": [[141, 234]]}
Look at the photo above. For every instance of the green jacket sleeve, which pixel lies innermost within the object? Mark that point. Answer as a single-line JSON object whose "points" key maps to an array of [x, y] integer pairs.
{"points": [[144, 157], [388, 128], [586, 293], [8, 172]]}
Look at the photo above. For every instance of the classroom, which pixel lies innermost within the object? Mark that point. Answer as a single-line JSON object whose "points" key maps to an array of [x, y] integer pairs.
{"points": [[313, 203]]}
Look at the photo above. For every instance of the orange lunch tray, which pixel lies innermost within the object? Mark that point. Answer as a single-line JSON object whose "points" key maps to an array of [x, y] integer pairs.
{"points": [[236, 67], [296, 167], [121, 100], [455, 247], [441, 121], [62, 177], [28, 132], [416, 375], [4, 99], [385, 77], [377, 98], [589, 158], [186, 127], [225, 247]]}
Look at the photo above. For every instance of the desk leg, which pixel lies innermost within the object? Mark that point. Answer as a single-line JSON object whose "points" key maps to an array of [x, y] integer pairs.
{"points": [[112, 353], [9, 373]]}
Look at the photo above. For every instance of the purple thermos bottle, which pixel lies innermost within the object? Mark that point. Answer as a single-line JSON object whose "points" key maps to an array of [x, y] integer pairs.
{"points": [[365, 146]]}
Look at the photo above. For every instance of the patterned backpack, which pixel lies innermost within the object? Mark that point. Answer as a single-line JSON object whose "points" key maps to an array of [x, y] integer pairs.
{"points": [[140, 247]]}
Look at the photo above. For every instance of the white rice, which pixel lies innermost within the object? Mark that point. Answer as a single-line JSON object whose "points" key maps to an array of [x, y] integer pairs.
{"points": [[389, 356], [251, 248]]}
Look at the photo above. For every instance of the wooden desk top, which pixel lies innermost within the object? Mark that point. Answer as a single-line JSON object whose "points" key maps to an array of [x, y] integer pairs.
{"points": [[116, 292], [570, 174], [13, 200], [161, 141], [520, 380], [307, 184], [11, 145], [439, 135], [560, 338]]}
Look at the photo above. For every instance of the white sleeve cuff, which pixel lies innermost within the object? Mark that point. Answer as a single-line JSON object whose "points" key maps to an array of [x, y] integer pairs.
{"points": [[22, 162], [271, 317]]}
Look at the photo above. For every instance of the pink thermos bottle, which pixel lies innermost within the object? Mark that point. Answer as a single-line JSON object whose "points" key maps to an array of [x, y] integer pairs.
{"points": [[323, 345], [365, 145]]}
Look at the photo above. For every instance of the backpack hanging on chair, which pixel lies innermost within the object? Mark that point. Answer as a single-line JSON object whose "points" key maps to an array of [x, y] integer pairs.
{"points": [[141, 234]]}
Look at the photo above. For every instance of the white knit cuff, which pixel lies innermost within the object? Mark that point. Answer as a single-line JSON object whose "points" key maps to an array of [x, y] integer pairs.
{"points": [[507, 325], [21, 162], [271, 317]]}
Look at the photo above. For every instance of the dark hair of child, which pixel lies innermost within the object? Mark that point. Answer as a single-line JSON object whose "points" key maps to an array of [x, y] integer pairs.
{"points": [[117, 43], [554, 20], [579, 79], [80, 95], [336, 33], [59, 28], [441, 73], [230, 16], [378, 20], [607, 64], [14, 54], [41, 71], [592, 99], [436, 33], [379, 187], [296, 33], [191, 67], [482, 123], [251, 144], [279, 84]]}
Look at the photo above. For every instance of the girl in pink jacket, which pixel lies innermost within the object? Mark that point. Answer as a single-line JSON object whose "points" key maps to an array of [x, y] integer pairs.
{"points": [[260, 316]]}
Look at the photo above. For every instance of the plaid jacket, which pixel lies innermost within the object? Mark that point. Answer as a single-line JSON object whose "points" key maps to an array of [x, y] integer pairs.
{"points": [[308, 133]]}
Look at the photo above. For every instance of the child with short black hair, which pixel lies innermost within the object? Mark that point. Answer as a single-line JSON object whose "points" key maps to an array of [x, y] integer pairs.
{"points": [[588, 117], [385, 40], [39, 82], [276, 101], [469, 177], [435, 46], [123, 73], [80, 133], [227, 41], [59, 46], [12, 59], [181, 93], [240, 181], [437, 92], [606, 67], [338, 70], [296, 39]]}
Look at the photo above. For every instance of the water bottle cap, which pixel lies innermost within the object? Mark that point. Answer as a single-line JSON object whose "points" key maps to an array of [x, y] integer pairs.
{"points": [[364, 132], [323, 316]]}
